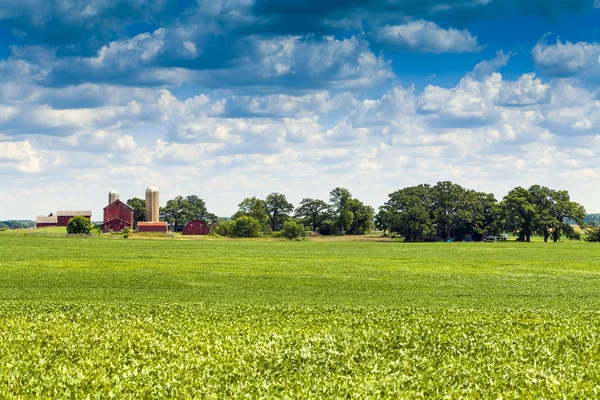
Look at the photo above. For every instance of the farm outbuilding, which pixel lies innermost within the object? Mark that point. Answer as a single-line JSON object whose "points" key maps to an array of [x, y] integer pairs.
{"points": [[63, 217], [117, 216], [157, 226], [44, 221], [196, 227]]}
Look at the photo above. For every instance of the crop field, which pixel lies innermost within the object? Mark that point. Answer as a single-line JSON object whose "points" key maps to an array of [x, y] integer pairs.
{"points": [[109, 317]]}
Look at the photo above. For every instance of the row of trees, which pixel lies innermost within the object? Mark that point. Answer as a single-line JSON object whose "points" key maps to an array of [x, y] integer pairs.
{"points": [[343, 214], [449, 211]]}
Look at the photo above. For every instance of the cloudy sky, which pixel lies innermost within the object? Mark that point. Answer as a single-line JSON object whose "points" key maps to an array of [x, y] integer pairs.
{"points": [[234, 98]]}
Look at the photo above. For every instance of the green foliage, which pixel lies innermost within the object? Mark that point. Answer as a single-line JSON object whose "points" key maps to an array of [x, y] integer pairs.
{"points": [[313, 213], [179, 211], [220, 351], [16, 224], [139, 209], [312, 319], [293, 230], [126, 232], [223, 228], [245, 227], [255, 208], [593, 234], [278, 210], [340, 208], [79, 225]]}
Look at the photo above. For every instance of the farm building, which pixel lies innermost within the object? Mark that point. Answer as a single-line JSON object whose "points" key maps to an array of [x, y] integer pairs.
{"points": [[44, 221], [63, 217], [117, 216], [196, 227], [152, 223], [157, 226]]}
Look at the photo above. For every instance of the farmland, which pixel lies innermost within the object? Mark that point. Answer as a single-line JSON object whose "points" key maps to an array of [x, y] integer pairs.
{"points": [[314, 318]]}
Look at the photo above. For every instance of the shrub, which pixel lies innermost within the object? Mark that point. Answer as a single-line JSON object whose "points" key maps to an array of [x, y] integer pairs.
{"points": [[293, 230], [223, 228], [79, 225], [126, 232], [593, 234], [245, 227]]}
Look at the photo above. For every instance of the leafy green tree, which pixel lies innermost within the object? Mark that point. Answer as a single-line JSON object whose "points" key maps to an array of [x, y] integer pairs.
{"points": [[79, 225], [179, 211], [563, 210], [139, 209], [245, 227], [255, 208], [340, 209], [278, 209], [520, 213], [293, 230], [409, 213], [449, 206], [223, 228], [362, 221], [313, 212]]}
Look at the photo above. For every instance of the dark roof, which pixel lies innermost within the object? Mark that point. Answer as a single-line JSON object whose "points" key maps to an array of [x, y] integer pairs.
{"points": [[74, 213]]}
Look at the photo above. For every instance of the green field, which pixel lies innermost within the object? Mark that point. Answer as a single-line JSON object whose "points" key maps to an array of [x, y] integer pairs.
{"points": [[308, 319]]}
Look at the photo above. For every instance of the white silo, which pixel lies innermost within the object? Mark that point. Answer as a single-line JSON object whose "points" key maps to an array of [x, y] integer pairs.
{"points": [[112, 196], [152, 204]]}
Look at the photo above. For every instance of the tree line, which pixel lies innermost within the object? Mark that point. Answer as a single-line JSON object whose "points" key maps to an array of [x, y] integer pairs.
{"points": [[444, 211], [343, 214], [448, 211]]}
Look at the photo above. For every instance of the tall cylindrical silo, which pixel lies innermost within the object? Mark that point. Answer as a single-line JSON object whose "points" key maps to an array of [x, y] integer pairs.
{"points": [[112, 196], [152, 204]]}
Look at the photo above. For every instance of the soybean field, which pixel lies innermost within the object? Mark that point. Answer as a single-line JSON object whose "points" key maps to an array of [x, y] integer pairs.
{"points": [[109, 317]]}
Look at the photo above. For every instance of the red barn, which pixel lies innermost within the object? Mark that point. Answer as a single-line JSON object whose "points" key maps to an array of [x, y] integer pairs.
{"points": [[196, 227], [43, 221], [63, 217], [117, 216]]}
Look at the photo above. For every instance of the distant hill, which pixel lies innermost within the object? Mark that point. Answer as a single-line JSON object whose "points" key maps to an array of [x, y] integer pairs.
{"points": [[592, 219], [17, 224]]}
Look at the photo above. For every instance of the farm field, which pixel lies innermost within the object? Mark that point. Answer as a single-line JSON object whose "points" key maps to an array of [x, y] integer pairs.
{"points": [[311, 319]]}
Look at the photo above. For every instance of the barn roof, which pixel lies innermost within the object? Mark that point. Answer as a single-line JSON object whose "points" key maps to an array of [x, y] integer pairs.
{"points": [[119, 200], [46, 219], [73, 213]]}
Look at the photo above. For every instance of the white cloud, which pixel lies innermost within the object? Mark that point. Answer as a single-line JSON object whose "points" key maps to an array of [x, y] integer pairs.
{"points": [[568, 59], [427, 37]]}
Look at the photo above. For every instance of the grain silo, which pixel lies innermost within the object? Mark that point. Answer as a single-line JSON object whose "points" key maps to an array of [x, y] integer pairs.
{"points": [[152, 204], [112, 196]]}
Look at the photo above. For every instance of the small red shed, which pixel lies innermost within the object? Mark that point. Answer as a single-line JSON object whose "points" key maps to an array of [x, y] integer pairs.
{"points": [[196, 227], [117, 216]]}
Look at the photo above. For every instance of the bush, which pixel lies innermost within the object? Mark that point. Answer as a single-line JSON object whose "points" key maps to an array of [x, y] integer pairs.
{"points": [[126, 232], [593, 234], [293, 230], [79, 226], [245, 227], [223, 228]]}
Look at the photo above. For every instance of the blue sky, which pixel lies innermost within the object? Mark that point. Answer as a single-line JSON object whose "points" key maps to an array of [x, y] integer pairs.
{"points": [[234, 98]]}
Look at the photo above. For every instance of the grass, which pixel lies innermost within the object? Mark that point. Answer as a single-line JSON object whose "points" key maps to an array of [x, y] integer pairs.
{"points": [[311, 319]]}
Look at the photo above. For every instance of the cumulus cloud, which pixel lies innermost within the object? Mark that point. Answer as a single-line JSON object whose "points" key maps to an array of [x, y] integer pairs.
{"points": [[564, 59], [427, 37]]}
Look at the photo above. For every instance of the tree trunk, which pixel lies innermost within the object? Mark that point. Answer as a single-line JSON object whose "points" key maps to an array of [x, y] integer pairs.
{"points": [[545, 234]]}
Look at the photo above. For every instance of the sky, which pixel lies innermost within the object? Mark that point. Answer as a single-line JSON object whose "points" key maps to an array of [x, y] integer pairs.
{"points": [[227, 99]]}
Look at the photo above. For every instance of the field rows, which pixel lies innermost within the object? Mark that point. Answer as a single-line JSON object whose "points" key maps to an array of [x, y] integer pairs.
{"points": [[206, 351]]}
